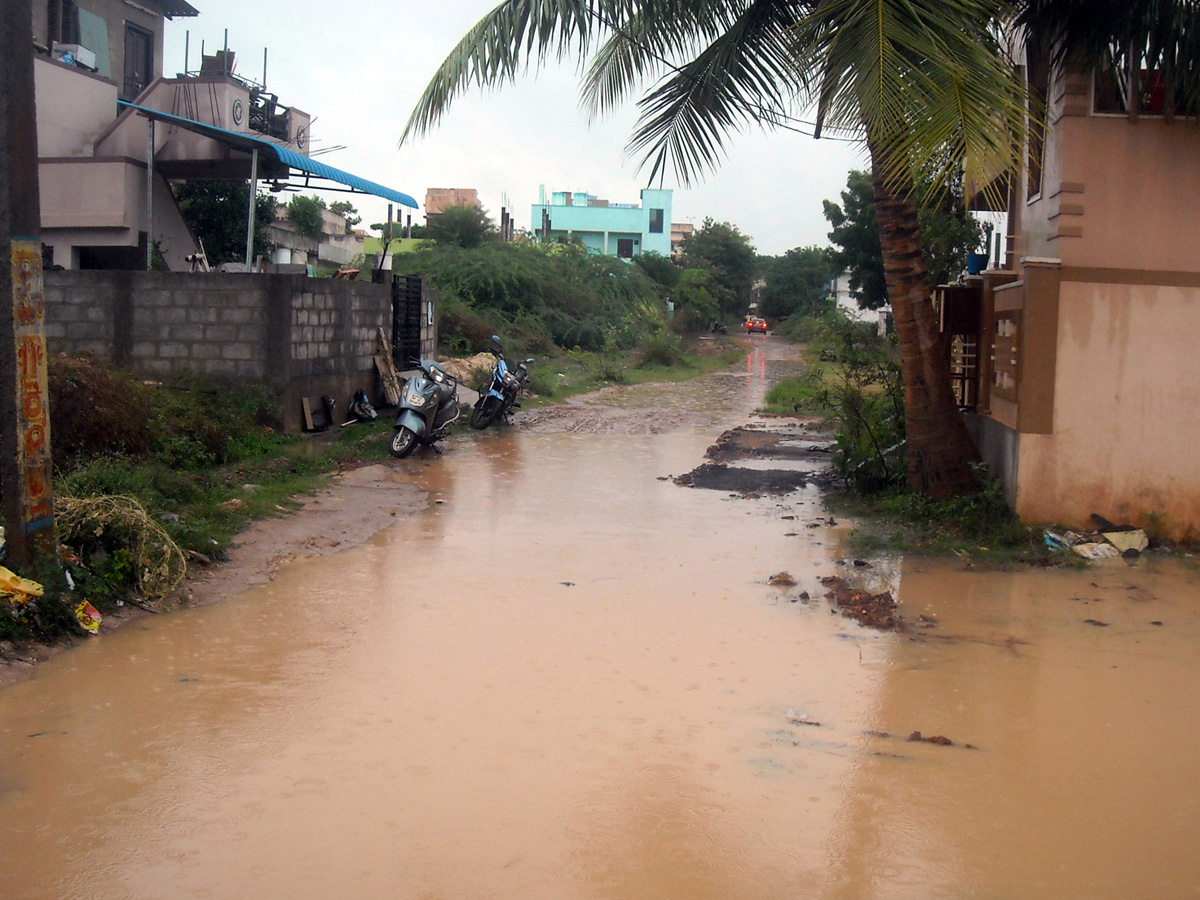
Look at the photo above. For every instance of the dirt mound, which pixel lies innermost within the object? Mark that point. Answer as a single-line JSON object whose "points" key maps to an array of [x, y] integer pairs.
{"points": [[747, 482], [759, 443], [872, 610]]}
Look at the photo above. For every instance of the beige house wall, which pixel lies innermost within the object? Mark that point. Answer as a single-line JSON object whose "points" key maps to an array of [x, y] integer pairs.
{"points": [[1126, 412], [1105, 418]]}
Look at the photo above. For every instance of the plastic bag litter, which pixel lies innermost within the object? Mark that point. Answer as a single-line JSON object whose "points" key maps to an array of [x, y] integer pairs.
{"points": [[21, 589], [1128, 540], [361, 408], [88, 617], [1097, 551]]}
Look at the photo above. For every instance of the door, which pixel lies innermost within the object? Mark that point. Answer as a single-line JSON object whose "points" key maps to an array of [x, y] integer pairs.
{"points": [[139, 60]]}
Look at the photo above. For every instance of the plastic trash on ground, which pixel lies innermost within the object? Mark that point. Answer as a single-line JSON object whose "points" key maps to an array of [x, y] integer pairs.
{"points": [[1128, 540], [1097, 551], [89, 617], [17, 589]]}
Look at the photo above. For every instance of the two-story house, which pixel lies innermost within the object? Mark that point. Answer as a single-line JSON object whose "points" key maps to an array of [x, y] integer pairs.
{"points": [[1087, 379], [113, 132], [624, 230]]}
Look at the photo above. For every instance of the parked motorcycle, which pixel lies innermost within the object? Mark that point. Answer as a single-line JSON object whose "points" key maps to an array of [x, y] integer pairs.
{"points": [[501, 394], [428, 407]]}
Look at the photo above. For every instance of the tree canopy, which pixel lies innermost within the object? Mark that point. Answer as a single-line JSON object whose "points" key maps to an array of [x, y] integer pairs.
{"points": [[721, 249], [305, 213], [948, 234], [797, 283], [216, 212], [463, 226]]}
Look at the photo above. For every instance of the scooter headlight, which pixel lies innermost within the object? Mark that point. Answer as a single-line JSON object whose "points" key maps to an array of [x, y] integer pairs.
{"points": [[413, 397]]}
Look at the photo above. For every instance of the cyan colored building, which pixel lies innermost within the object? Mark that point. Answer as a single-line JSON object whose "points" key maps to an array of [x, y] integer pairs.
{"points": [[624, 230]]}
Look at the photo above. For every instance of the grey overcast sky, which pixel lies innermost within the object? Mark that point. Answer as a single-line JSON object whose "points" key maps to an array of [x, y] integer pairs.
{"points": [[359, 66]]}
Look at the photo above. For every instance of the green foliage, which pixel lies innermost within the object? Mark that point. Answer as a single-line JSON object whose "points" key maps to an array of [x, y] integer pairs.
{"points": [[948, 234], [979, 525], [797, 283], [215, 211], [856, 234], [726, 253], [461, 226], [661, 269], [696, 305], [346, 210], [538, 293], [856, 384], [305, 213], [662, 349]]}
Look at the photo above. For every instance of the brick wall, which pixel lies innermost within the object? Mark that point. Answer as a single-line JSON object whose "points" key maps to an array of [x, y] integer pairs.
{"points": [[304, 336]]}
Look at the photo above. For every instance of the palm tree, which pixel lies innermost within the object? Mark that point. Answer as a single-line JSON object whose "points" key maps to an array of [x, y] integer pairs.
{"points": [[923, 83], [1132, 39]]}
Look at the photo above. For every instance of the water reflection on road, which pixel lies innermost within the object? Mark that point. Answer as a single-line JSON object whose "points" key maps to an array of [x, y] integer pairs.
{"points": [[567, 678]]}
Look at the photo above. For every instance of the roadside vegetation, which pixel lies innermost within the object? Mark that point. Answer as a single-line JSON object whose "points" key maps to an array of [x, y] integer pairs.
{"points": [[853, 383]]}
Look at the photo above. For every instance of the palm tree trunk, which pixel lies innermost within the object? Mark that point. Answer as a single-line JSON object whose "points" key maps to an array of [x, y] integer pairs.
{"points": [[940, 450]]}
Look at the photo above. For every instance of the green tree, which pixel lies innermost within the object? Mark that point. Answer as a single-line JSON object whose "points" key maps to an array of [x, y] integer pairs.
{"points": [[346, 210], [948, 234], [216, 211], [797, 283], [662, 269], [463, 226], [728, 254], [856, 235], [305, 213], [924, 84]]}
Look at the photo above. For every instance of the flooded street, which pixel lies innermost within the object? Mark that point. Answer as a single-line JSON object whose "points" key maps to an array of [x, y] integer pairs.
{"points": [[567, 678]]}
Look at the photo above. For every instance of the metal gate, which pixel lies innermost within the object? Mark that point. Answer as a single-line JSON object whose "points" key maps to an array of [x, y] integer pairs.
{"points": [[406, 320]]}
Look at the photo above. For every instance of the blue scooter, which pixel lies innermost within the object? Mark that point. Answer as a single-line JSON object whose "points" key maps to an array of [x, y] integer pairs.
{"points": [[502, 392], [428, 407]]}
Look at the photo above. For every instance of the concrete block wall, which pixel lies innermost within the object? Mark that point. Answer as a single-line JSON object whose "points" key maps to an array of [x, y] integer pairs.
{"points": [[304, 336]]}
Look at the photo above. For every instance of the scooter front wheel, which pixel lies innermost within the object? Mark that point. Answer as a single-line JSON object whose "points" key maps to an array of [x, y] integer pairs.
{"points": [[485, 412], [403, 442]]}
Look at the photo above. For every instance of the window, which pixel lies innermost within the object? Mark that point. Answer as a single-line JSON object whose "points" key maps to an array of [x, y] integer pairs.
{"points": [[656, 221], [1039, 84], [625, 248], [63, 21]]}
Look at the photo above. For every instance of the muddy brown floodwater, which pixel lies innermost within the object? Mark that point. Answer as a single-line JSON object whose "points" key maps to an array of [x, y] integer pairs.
{"points": [[566, 677]]}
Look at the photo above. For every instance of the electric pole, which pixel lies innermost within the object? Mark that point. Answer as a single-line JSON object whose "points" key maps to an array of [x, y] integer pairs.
{"points": [[25, 470]]}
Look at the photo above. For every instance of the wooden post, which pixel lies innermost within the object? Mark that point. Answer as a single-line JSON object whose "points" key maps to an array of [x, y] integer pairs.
{"points": [[25, 470]]}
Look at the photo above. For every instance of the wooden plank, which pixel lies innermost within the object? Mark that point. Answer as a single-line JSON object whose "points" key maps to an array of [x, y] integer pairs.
{"points": [[306, 408], [388, 376]]}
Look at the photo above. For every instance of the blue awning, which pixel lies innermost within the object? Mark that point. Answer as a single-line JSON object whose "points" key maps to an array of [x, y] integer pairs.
{"points": [[289, 158]]}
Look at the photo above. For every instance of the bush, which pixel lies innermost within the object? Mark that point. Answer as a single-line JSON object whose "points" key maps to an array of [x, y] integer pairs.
{"points": [[662, 349]]}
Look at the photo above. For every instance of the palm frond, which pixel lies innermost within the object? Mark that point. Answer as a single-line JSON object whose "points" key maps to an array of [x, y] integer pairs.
{"points": [[747, 74], [502, 45]]}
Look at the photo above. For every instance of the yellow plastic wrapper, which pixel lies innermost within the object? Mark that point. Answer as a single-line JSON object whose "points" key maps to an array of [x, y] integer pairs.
{"points": [[12, 583], [89, 617]]}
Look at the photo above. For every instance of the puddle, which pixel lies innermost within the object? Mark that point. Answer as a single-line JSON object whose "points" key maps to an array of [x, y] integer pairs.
{"points": [[569, 678]]}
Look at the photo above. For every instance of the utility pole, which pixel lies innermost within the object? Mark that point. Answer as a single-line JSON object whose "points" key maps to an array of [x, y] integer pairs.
{"points": [[25, 471]]}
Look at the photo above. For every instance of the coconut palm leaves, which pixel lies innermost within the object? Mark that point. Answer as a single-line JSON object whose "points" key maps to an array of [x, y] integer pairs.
{"points": [[1135, 39], [925, 79]]}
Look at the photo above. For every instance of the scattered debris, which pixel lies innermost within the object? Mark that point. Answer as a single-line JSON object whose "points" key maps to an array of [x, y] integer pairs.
{"points": [[781, 579], [1109, 541], [871, 610], [1095, 622], [936, 739], [801, 719]]}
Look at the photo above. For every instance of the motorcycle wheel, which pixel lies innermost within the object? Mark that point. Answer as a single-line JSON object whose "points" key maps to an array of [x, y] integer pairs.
{"points": [[485, 412], [403, 442]]}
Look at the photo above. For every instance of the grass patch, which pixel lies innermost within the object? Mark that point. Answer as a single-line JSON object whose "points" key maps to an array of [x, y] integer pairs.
{"points": [[979, 526]]}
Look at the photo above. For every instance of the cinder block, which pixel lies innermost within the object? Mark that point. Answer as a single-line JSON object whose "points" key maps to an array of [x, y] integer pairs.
{"points": [[236, 350], [221, 332]]}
